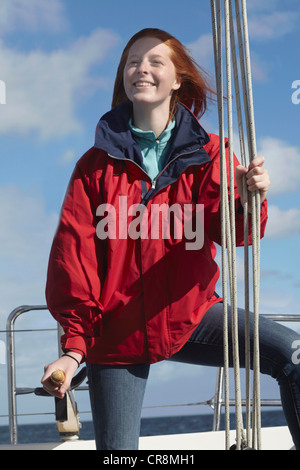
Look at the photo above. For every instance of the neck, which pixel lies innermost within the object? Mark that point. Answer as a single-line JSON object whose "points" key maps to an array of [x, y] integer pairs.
{"points": [[147, 118]]}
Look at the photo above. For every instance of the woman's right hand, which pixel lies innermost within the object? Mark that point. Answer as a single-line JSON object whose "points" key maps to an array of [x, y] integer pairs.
{"points": [[69, 366]]}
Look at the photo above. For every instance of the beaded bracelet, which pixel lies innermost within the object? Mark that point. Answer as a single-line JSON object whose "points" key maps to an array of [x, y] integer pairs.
{"points": [[72, 358]]}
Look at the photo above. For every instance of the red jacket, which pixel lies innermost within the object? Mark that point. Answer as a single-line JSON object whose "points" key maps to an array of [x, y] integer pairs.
{"points": [[127, 299]]}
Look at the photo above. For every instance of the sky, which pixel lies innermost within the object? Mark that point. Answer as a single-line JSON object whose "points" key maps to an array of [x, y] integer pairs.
{"points": [[58, 62]]}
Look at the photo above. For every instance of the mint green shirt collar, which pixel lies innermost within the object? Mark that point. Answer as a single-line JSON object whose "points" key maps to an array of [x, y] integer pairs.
{"points": [[154, 150]]}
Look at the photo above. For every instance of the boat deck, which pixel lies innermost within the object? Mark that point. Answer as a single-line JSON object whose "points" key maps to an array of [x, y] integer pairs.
{"points": [[273, 438]]}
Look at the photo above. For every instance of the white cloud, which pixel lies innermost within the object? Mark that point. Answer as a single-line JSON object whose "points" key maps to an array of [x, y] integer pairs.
{"points": [[282, 161], [67, 157], [26, 233], [168, 370], [258, 5], [202, 50], [271, 25], [203, 54], [42, 87], [279, 301], [282, 223], [259, 68], [31, 15]]}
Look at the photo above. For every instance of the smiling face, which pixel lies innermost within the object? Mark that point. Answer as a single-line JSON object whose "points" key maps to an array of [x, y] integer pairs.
{"points": [[149, 74]]}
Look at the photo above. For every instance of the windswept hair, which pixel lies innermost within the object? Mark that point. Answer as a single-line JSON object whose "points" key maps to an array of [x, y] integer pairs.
{"points": [[194, 91]]}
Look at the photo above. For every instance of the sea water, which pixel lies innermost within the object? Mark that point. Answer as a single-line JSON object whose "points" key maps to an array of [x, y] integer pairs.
{"points": [[47, 432]]}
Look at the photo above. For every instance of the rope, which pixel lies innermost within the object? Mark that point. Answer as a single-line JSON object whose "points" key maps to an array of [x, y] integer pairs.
{"points": [[217, 40], [255, 233], [246, 226], [228, 213]]}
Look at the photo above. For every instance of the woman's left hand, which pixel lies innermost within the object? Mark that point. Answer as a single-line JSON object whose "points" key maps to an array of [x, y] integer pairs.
{"points": [[257, 178]]}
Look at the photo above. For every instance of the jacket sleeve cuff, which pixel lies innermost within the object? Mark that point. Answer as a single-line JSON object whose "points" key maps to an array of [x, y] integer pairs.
{"points": [[240, 207], [76, 344], [240, 218]]}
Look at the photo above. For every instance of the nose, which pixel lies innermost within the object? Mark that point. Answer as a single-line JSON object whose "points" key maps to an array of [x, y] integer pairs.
{"points": [[143, 67]]}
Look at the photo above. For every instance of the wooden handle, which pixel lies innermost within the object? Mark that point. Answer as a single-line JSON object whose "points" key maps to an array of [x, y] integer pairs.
{"points": [[58, 377]]}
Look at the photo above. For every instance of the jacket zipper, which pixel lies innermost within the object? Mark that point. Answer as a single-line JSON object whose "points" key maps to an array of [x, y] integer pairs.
{"points": [[153, 185], [154, 181], [132, 161]]}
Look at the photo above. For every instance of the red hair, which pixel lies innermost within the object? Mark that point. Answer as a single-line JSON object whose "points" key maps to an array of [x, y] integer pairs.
{"points": [[194, 90]]}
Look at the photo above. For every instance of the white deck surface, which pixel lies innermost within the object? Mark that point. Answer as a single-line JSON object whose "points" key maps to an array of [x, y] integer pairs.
{"points": [[276, 438]]}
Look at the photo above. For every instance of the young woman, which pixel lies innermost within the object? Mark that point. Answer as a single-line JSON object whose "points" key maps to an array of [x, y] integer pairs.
{"points": [[127, 290]]}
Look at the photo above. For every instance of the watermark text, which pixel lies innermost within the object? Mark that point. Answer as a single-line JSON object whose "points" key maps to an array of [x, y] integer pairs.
{"points": [[2, 92], [161, 221], [296, 353], [296, 93], [2, 352]]}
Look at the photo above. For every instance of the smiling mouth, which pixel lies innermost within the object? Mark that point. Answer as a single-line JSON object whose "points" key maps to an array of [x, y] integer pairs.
{"points": [[143, 84]]}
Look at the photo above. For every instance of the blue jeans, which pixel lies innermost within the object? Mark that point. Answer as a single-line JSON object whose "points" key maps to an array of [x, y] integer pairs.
{"points": [[117, 392]]}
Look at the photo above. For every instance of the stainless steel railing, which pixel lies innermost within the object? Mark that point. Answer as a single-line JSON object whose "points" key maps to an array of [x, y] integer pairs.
{"points": [[216, 402], [13, 391], [11, 374]]}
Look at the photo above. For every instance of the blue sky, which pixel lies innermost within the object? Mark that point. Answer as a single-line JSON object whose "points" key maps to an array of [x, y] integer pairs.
{"points": [[58, 61]]}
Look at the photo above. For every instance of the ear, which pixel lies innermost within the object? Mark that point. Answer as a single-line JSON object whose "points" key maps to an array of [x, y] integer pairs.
{"points": [[177, 84]]}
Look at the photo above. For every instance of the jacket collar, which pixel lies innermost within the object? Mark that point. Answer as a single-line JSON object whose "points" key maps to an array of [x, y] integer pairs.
{"points": [[114, 136]]}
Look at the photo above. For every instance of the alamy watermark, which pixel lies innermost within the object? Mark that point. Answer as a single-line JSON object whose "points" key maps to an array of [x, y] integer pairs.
{"points": [[296, 93], [296, 354], [2, 352], [160, 222], [2, 92]]}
